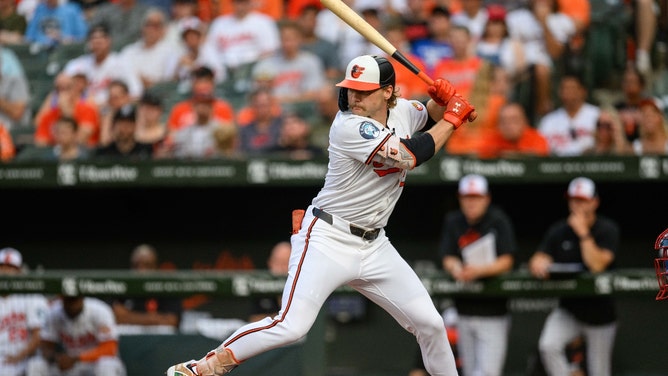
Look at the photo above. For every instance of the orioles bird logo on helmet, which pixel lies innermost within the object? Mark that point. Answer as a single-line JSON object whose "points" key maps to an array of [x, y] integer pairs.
{"points": [[661, 264], [356, 71]]}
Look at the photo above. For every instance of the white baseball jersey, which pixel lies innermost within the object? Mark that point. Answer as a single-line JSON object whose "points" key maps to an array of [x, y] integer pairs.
{"points": [[377, 186], [242, 41], [569, 136], [100, 75], [95, 324], [19, 314]]}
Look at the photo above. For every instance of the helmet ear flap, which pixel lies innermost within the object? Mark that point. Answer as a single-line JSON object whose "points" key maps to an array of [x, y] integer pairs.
{"points": [[343, 99]]}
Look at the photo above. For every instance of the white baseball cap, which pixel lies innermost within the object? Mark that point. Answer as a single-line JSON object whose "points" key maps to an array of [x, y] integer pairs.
{"points": [[473, 185], [191, 24], [583, 188], [10, 256], [368, 72]]}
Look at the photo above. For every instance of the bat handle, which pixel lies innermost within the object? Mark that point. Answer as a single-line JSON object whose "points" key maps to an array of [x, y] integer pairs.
{"points": [[425, 78], [398, 56]]}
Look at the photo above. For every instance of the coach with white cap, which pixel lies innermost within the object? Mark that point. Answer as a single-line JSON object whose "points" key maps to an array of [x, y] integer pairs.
{"points": [[478, 242], [587, 242]]}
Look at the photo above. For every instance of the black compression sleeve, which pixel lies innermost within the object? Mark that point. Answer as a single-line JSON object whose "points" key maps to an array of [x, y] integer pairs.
{"points": [[421, 145], [430, 122]]}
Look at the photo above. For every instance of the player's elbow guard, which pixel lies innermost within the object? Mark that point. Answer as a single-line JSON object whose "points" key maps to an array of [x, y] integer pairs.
{"points": [[407, 153], [422, 146]]}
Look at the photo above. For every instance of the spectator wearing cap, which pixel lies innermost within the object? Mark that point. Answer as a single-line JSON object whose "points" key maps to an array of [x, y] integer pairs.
{"points": [[478, 243], [24, 314], [194, 53], [495, 44], [570, 128], [151, 129], [147, 55], [102, 66], [582, 242], [66, 101], [124, 145], [652, 129], [183, 113], [180, 12]]}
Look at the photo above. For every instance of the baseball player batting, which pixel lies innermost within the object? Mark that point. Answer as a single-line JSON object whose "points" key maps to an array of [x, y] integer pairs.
{"points": [[339, 239]]}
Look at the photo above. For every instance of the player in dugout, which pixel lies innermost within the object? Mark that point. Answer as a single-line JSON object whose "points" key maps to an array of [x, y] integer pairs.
{"points": [[339, 239]]}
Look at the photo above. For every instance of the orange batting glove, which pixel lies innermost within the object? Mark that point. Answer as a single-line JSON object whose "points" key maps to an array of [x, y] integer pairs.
{"points": [[459, 110], [441, 91]]}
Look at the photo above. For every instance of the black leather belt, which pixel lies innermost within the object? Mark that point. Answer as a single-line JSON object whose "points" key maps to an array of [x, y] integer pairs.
{"points": [[358, 231]]}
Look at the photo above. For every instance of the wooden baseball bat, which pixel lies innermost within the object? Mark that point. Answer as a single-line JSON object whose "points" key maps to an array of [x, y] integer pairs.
{"points": [[355, 21]]}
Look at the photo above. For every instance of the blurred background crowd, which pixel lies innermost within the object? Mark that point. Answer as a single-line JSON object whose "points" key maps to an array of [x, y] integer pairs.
{"points": [[197, 79]]}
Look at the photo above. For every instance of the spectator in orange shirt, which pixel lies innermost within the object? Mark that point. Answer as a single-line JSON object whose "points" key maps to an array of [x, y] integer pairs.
{"points": [[461, 70], [408, 86], [513, 136], [7, 150], [67, 102], [183, 113]]}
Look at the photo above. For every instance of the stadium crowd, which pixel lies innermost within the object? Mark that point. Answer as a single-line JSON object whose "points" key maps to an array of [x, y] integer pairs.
{"points": [[195, 79]]}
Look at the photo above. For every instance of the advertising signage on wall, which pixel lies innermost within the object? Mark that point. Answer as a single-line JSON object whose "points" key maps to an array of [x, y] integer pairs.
{"points": [[254, 171]]}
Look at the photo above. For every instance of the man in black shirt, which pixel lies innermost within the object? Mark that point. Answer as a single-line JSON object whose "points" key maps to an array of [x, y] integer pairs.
{"points": [[124, 144], [587, 242], [478, 242]]}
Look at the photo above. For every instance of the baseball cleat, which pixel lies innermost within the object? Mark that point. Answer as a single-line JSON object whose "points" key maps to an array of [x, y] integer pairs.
{"points": [[188, 368]]}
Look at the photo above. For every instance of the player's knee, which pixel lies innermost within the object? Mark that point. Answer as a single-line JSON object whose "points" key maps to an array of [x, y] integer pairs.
{"points": [[294, 334], [432, 327]]}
